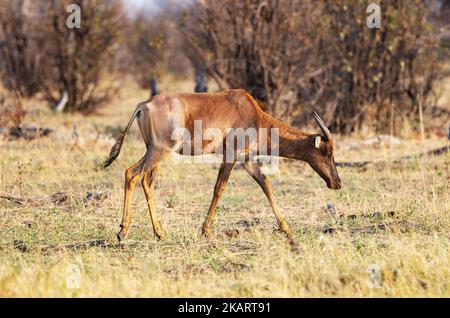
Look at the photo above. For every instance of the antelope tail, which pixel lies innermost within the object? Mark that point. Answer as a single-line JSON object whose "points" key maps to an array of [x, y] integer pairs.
{"points": [[115, 150]]}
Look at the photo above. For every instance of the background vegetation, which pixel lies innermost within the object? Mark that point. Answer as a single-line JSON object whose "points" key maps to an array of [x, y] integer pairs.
{"points": [[292, 55]]}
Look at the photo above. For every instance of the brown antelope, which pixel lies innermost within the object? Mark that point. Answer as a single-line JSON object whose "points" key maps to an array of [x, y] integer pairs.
{"points": [[159, 116]]}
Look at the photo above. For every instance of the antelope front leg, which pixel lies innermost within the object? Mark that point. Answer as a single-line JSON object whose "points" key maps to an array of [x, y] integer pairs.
{"points": [[266, 186], [132, 175], [148, 183], [222, 178]]}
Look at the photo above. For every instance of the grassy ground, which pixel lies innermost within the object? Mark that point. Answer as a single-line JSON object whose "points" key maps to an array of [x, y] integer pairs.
{"points": [[387, 233]]}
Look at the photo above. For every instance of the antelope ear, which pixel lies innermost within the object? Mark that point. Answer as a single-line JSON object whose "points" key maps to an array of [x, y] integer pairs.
{"points": [[317, 141]]}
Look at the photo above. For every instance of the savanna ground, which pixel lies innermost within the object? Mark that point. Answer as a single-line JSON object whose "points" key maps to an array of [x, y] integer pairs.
{"points": [[386, 233]]}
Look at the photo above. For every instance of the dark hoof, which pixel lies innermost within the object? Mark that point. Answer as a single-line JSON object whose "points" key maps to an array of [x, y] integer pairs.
{"points": [[120, 236], [206, 233], [160, 237], [295, 248]]}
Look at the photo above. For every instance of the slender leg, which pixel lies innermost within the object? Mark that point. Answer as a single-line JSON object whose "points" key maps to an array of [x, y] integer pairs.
{"points": [[266, 186], [132, 175], [222, 178], [148, 183]]}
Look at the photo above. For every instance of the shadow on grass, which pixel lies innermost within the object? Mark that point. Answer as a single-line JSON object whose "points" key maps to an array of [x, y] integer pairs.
{"points": [[127, 245]]}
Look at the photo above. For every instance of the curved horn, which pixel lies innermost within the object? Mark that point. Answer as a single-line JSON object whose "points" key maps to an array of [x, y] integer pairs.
{"points": [[322, 126]]}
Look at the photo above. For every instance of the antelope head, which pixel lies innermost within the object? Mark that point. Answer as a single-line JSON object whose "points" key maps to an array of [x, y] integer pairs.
{"points": [[320, 156]]}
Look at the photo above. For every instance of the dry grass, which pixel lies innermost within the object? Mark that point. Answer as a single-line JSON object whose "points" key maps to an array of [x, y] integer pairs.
{"points": [[42, 241]]}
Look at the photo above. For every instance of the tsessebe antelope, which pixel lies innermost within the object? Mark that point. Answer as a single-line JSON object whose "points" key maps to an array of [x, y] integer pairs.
{"points": [[162, 114]]}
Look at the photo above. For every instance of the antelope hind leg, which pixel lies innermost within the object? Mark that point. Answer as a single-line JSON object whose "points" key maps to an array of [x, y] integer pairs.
{"points": [[132, 175], [148, 184]]}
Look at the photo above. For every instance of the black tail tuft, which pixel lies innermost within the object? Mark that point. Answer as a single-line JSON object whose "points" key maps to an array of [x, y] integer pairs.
{"points": [[115, 150]]}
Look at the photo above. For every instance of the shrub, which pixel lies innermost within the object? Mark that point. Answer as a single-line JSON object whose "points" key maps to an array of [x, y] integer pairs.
{"points": [[79, 61], [297, 56], [251, 44], [19, 55], [148, 48]]}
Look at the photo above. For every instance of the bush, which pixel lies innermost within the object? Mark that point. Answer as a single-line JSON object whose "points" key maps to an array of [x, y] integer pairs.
{"points": [[40, 53], [77, 60], [251, 44], [302, 55], [147, 43], [19, 55], [152, 44], [376, 74]]}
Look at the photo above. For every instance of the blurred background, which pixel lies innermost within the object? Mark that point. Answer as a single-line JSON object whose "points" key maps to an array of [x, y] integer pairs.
{"points": [[293, 56]]}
